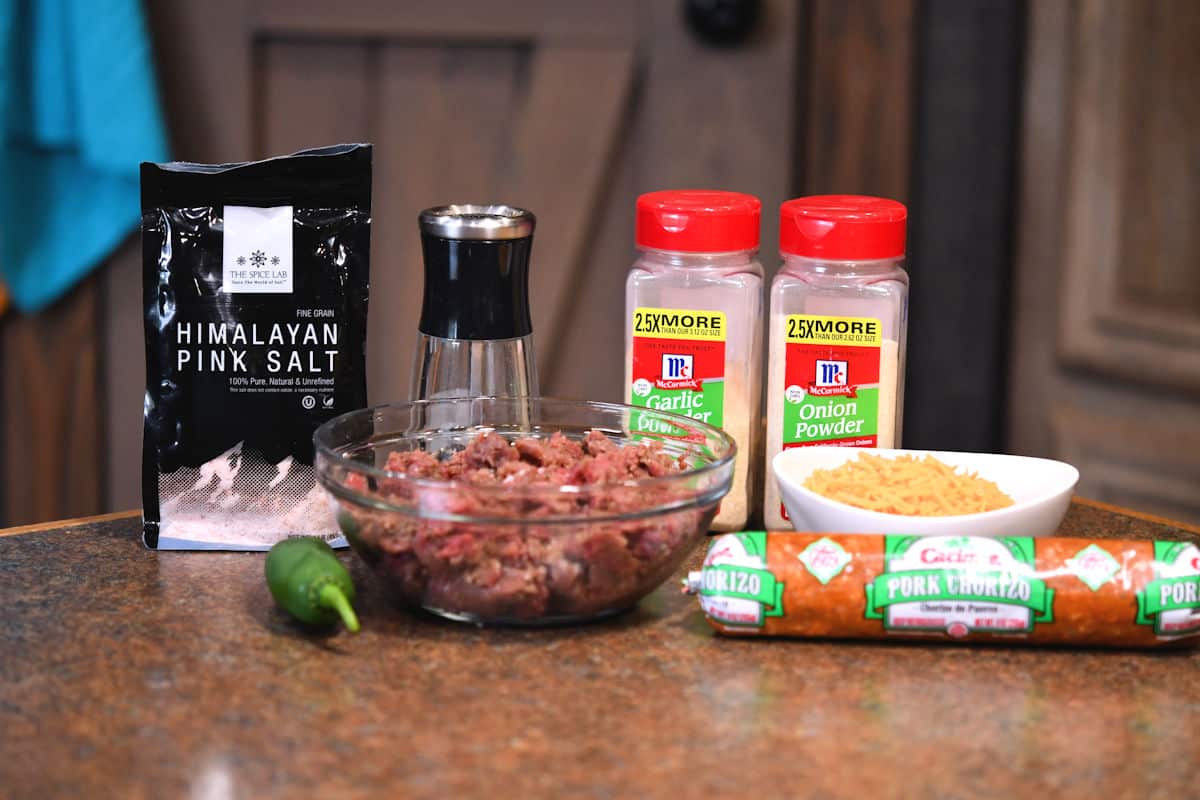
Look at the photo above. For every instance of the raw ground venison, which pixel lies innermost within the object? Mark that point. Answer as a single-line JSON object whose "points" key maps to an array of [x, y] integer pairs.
{"points": [[519, 569]]}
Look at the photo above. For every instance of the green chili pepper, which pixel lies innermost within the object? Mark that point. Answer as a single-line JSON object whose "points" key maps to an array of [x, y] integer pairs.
{"points": [[307, 580]]}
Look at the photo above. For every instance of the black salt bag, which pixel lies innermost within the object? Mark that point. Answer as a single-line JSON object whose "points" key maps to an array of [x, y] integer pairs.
{"points": [[255, 292]]}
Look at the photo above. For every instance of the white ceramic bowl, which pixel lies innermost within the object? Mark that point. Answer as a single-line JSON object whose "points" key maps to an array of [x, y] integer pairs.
{"points": [[1041, 491]]}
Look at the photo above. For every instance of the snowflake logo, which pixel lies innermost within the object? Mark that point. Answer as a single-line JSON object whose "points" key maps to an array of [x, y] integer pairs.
{"points": [[241, 261], [274, 261], [258, 258]]}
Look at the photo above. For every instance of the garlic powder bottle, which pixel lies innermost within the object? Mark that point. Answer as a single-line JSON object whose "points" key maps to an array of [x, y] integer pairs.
{"points": [[693, 330], [837, 329]]}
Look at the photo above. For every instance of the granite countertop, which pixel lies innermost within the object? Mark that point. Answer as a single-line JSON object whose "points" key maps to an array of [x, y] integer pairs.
{"points": [[129, 673]]}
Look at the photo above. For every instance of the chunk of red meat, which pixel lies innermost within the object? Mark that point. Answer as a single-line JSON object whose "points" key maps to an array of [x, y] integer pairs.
{"points": [[416, 463], [480, 476], [454, 466], [607, 570], [531, 451], [656, 463], [518, 473], [596, 443], [561, 451], [357, 482], [499, 592], [489, 451]]}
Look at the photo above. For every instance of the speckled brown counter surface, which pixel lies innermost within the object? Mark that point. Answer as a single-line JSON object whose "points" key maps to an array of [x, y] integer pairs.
{"points": [[128, 673]]}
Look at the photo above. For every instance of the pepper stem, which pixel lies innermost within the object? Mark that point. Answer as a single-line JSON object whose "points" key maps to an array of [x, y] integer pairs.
{"points": [[331, 596]]}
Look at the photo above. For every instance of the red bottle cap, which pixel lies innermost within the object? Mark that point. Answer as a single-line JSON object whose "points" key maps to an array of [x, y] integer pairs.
{"points": [[842, 227], [698, 221]]}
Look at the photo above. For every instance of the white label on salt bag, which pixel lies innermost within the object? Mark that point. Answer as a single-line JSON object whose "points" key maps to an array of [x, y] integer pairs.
{"points": [[257, 255]]}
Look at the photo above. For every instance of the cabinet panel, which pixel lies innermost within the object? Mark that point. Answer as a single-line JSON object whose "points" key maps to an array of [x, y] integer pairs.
{"points": [[1105, 369]]}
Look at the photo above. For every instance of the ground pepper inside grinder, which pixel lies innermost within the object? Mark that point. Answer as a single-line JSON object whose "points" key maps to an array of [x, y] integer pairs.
{"points": [[475, 336]]}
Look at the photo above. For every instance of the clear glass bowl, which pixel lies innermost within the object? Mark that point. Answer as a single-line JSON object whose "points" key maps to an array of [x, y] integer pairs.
{"points": [[528, 555]]}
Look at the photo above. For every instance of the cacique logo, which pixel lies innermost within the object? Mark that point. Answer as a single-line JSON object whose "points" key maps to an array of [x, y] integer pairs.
{"points": [[938, 555]]}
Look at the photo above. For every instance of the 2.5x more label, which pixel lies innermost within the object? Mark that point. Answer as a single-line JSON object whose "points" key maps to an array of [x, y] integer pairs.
{"points": [[679, 362]]}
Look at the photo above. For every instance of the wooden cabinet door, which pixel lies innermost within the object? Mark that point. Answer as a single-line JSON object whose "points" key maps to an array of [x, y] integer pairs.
{"points": [[1106, 337], [570, 109]]}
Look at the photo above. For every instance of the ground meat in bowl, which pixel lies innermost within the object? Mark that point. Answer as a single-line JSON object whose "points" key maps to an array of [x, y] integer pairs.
{"points": [[524, 563]]}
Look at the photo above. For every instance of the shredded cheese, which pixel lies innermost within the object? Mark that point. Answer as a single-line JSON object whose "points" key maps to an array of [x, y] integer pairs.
{"points": [[906, 485]]}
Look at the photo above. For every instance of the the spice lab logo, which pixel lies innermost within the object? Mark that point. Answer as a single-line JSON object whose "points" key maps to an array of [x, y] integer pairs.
{"points": [[678, 372], [257, 250], [259, 259], [824, 559], [1094, 566]]}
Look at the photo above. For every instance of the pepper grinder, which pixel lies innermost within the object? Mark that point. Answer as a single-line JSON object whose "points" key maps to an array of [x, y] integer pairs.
{"points": [[475, 337]]}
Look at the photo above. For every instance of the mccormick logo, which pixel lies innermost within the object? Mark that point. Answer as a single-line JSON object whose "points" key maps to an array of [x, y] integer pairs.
{"points": [[676, 367], [831, 379], [677, 373], [832, 391], [831, 373]]}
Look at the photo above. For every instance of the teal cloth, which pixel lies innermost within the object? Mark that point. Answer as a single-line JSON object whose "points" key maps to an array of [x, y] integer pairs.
{"points": [[78, 112]]}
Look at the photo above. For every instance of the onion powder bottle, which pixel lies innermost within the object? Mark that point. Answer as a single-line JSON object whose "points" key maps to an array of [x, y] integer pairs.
{"points": [[839, 319], [693, 331]]}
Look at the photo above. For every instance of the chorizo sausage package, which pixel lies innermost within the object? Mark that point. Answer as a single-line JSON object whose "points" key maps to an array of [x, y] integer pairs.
{"points": [[1058, 591], [255, 281]]}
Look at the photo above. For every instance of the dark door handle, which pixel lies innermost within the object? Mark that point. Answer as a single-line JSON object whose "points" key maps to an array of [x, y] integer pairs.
{"points": [[724, 23]]}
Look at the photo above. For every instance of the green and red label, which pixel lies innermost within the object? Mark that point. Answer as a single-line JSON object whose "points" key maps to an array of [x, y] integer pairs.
{"points": [[831, 381], [679, 362], [736, 588], [1171, 602], [960, 585]]}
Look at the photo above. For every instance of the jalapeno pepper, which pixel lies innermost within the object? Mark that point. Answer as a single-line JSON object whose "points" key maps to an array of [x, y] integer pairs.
{"points": [[307, 580]]}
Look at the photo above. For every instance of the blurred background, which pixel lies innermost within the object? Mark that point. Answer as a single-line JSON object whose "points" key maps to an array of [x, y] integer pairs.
{"points": [[1049, 153]]}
